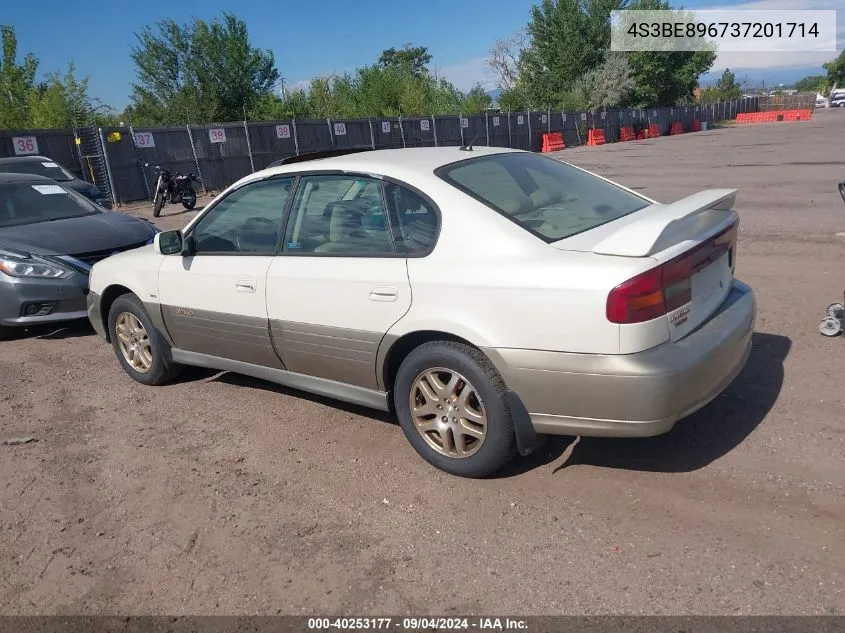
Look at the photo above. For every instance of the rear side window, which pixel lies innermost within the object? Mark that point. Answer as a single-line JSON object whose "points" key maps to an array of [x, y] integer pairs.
{"points": [[415, 227], [544, 196]]}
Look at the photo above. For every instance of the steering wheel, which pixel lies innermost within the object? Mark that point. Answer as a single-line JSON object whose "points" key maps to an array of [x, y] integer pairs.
{"points": [[260, 226]]}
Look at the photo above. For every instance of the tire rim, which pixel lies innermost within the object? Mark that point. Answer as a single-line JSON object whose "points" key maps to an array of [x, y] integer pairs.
{"points": [[134, 342], [448, 413]]}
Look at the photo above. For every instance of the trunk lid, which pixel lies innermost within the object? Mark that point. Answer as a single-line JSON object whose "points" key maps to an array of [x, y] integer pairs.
{"points": [[693, 240]]}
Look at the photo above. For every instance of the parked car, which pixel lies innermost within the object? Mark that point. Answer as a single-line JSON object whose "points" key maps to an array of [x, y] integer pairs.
{"points": [[838, 101], [486, 295], [50, 236], [43, 166]]}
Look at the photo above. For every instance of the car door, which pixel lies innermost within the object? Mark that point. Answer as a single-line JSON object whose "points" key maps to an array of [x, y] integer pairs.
{"points": [[339, 283], [214, 301]]}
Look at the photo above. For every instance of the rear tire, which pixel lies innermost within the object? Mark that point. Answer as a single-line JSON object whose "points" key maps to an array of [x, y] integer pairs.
{"points": [[189, 199], [158, 203], [141, 350], [461, 424]]}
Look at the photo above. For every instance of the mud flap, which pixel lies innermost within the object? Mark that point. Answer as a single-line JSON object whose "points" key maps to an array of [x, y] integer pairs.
{"points": [[527, 438]]}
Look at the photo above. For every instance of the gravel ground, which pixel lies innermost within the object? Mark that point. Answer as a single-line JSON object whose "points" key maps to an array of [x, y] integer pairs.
{"points": [[226, 495]]}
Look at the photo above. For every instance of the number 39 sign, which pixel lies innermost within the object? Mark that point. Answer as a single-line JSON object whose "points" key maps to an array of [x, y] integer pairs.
{"points": [[25, 145]]}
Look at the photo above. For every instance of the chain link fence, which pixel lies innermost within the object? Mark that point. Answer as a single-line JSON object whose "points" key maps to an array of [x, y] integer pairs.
{"points": [[222, 153]]}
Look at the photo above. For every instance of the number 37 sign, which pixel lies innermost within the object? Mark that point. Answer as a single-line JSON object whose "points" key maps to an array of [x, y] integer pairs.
{"points": [[25, 145]]}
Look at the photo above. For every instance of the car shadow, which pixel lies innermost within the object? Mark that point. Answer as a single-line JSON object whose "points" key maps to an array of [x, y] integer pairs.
{"points": [[54, 331], [694, 442]]}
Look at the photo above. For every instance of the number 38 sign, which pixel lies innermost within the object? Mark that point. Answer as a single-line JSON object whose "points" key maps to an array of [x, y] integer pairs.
{"points": [[217, 135], [25, 145]]}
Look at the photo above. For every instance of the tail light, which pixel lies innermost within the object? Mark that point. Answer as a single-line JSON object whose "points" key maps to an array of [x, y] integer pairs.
{"points": [[661, 290]]}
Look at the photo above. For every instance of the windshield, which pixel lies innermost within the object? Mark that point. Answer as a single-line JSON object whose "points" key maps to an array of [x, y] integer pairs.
{"points": [[27, 203], [39, 168], [550, 199]]}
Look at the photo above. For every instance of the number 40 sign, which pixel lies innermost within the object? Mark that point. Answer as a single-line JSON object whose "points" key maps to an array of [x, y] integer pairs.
{"points": [[25, 145]]}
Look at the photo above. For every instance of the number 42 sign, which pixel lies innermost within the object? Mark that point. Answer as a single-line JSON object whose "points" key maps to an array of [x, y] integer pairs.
{"points": [[25, 145]]}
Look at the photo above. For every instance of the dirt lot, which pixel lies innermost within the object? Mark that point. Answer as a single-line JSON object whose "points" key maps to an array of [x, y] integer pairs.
{"points": [[221, 494]]}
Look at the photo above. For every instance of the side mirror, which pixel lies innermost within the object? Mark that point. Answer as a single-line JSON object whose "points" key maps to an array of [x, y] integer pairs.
{"points": [[168, 242]]}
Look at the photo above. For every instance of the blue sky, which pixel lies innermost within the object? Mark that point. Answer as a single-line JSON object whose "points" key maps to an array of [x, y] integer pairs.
{"points": [[307, 38]]}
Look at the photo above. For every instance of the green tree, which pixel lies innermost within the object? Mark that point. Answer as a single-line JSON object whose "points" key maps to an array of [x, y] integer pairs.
{"points": [[836, 70], [201, 71], [64, 102], [411, 59], [813, 83], [513, 99], [477, 101], [16, 82], [567, 38], [728, 87]]}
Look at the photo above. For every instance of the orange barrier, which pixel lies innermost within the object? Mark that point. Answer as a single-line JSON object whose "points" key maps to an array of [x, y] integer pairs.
{"points": [[596, 137], [626, 133], [774, 116], [642, 134], [553, 142], [696, 126], [677, 128], [654, 130]]}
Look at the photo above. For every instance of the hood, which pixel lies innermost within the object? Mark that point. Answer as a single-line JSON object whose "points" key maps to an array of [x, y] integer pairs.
{"points": [[73, 236]]}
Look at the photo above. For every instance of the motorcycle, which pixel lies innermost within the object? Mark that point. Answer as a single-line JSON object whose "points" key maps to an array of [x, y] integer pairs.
{"points": [[173, 187]]}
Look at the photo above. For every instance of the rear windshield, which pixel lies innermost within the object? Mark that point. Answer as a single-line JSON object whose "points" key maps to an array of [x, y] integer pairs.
{"points": [[39, 168], [542, 195], [27, 203]]}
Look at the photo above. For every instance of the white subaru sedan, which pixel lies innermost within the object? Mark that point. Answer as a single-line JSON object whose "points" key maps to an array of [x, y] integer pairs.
{"points": [[487, 296]]}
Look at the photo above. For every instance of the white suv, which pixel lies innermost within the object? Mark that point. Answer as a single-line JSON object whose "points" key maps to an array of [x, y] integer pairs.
{"points": [[485, 295]]}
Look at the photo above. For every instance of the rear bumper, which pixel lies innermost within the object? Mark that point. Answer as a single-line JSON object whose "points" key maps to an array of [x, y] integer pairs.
{"points": [[633, 395], [65, 298]]}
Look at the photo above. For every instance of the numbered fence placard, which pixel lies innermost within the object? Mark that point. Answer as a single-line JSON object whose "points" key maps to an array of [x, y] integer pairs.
{"points": [[217, 135], [495, 121], [340, 129], [654, 113], [583, 116], [604, 115], [425, 125], [25, 145], [144, 139], [544, 118], [520, 120], [563, 115], [385, 127], [464, 122], [282, 131]]}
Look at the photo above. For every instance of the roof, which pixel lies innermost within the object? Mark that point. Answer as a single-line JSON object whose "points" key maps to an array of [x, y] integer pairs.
{"points": [[391, 161], [9, 178], [24, 159]]}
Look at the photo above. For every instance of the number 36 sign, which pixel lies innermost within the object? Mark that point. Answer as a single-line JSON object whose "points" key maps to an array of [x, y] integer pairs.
{"points": [[25, 145]]}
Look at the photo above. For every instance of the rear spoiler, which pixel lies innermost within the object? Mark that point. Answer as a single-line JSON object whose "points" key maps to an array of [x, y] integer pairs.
{"points": [[660, 223]]}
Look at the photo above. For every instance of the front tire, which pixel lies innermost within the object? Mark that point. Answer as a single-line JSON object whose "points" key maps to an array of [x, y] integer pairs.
{"points": [[158, 203], [451, 404], [141, 350], [189, 199]]}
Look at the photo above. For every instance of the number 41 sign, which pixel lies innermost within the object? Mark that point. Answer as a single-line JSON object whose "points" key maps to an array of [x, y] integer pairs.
{"points": [[25, 145]]}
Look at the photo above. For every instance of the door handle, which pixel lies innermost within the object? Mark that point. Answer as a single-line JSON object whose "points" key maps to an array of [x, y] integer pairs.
{"points": [[245, 285], [384, 293]]}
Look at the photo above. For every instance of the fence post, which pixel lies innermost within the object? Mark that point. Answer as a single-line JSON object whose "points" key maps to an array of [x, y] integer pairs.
{"points": [[249, 146], [510, 136], [196, 158], [434, 129], [372, 137], [402, 131], [108, 168], [487, 126], [295, 137], [549, 120], [331, 134], [461, 128], [529, 129]]}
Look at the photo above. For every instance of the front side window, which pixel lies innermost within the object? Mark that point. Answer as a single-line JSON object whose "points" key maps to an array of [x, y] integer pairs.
{"points": [[338, 214], [247, 221], [30, 203], [550, 199]]}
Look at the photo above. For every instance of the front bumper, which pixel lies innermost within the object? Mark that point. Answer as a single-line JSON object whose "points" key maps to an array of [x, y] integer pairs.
{"points": [[632, 395], [64, 297], [95, 315]]}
